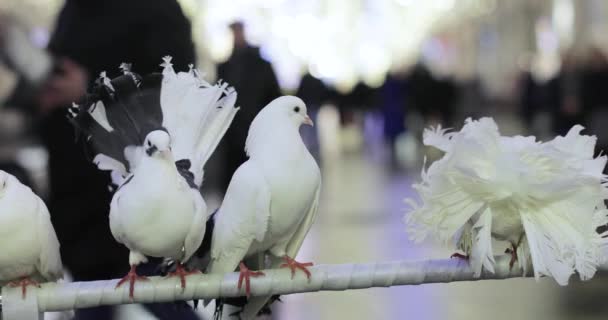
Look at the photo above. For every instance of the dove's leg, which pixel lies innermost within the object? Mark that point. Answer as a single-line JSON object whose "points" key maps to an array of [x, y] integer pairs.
{"points": [[135, 258], [465, 242], [246, 274], [181, 272], [294, 265], [460, 256], [513, 251], [23, 283]]}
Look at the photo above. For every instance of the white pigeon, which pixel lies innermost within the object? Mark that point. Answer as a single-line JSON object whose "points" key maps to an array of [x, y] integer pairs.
{"points": [[545, 199], [32, 253], [163, 128], [272, 199]]}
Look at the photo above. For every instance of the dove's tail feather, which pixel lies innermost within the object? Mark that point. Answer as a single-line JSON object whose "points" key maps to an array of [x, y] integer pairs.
{"points": [[196, 114], [562, 238], [118, 114]]}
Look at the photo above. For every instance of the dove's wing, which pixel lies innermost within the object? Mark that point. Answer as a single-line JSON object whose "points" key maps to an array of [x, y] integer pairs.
{"points": [[298, 238], [197, 229], [115, 226], [49, 266], [255, 304], [242, 218], [481, 254]]}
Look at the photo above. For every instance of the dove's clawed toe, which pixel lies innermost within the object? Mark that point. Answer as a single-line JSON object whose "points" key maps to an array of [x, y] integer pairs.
{"points": [[132, 276], [23, 283], [182, 273], [294, 265], [246, 274]]}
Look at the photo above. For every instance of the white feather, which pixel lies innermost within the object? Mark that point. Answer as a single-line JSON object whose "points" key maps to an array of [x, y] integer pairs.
{"points": [[98, 112], [195, 116]]}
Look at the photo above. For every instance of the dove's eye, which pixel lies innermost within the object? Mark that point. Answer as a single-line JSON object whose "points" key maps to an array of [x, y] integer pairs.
{"points": [[149, 143], [296, 109]]}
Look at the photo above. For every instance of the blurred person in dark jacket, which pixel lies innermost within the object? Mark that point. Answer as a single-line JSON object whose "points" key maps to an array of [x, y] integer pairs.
{"points": [[256, 84], [315, 93], [433, 98], [568, 111], [91, 37], [595, 96]]}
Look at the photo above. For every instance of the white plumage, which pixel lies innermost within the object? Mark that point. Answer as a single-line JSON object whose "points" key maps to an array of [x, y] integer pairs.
{"points": [[157, 210], [30, 250], [545, 199], [272, 199]]}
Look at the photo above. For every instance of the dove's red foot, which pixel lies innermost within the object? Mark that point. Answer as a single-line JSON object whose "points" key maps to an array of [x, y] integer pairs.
{"points": [[294, 265], [182, 273], [132, 276], [23, 283], [460, 256], [513, 252], [246, 274]]}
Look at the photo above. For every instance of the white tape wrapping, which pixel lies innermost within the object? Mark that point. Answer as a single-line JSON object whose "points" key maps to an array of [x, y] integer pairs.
{"points": [[67, 296]]}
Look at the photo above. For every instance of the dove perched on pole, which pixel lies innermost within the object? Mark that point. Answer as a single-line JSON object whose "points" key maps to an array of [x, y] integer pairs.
{"points": [[32, 254], [155, 134], [272, 199], [546, 199]]}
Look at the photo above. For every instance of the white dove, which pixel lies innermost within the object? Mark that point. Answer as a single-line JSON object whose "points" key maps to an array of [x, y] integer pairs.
{"points": [[272, 199], [545, 199], [32, 254], [163, 128]]}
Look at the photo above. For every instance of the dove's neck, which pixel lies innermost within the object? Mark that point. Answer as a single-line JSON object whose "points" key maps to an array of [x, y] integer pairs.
{"points": [[156, 168], [282, 140]]}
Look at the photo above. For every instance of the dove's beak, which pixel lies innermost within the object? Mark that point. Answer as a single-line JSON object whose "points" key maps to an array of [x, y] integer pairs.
{"points": [[308, 121], [165, 153]]}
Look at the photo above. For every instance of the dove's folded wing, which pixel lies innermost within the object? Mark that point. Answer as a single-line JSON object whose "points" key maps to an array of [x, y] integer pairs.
{"points": [[255, 304], [49, 266], [300, 235], [115, 226], [242, 219], [197, 229]]}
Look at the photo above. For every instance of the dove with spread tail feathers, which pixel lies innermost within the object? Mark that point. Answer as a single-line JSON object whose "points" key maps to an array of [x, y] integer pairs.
{"points": [[155, 134]]}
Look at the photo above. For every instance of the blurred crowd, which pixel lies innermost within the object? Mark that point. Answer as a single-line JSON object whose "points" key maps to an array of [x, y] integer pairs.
{"points": [[37, 85], [574, 95]]}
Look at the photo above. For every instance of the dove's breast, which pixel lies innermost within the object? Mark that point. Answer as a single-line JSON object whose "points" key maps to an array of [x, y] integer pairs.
{"points": [[155, 216], [293, 193], [20, 248], [507, 225]]}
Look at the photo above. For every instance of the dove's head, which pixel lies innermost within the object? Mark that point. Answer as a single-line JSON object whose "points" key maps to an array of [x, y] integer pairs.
{"points": [[158, 143], [290, 107]]}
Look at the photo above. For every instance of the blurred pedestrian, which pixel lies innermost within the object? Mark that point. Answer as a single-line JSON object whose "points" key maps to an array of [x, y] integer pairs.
{"points": [[595, 96], [256, 84]]}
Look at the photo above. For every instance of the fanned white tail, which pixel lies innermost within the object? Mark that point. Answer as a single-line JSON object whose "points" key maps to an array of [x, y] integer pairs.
{"points": [[196, 114]]}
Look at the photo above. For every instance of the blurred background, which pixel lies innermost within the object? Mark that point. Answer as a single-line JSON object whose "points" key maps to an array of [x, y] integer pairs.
{"points": [[374, 73]]}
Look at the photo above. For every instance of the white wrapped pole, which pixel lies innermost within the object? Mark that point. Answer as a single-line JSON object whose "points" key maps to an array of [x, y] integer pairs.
{"points": [[67, 296]]}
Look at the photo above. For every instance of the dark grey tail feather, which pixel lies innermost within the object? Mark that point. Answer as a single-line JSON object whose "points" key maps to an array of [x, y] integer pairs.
{"points": [[132, 108]]}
